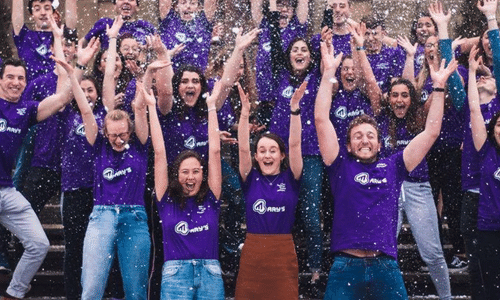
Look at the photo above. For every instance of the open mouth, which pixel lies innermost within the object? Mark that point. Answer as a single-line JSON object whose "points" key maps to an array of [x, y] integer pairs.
{"points": [[268, 164]]}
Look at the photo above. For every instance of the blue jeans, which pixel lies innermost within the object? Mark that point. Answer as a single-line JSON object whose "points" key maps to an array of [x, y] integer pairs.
{"points": [[192, 279], [122, 229], [309, 208], [418, 203], [365, 278]]}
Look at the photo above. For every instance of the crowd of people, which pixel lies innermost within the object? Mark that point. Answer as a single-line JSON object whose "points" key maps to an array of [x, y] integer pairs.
{"points": [[139, 128]]}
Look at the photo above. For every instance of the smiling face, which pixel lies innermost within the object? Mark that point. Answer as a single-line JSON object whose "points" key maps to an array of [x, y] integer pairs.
{"points": [[130, 49], [269, 156], [347, 75], [187, 9], [486, 83], [399, 100], [118, 134], [190, 88], [286, 12], [373, 39], [118, 64], [190, 176], [69, 50], [341, 11], [425, 28], [300, 57], [432, 50], [41, 11], [364, 143], [126, 8], [90, 91], [12, 83]]}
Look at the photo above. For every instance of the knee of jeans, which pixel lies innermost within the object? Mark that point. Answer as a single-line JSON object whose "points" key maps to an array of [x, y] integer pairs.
{"points": [[37, 246]]}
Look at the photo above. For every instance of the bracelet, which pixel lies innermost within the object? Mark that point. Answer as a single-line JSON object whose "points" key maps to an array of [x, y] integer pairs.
{"points": [[438, 89], [295, 112], [491, 18], [360, 48], [81, 67], [210, 109]]}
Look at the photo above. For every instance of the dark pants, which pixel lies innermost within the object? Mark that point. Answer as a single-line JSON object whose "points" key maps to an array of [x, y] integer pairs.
{"points": [[41, 184], [76, 208], [445, 177], [468, 227], [489, 262]]}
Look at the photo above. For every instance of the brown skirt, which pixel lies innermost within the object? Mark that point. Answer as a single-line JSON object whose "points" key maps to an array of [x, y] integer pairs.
{"points": [[268, 268]]}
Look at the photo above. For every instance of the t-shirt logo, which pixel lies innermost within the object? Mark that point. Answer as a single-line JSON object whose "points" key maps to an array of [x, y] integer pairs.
{"points": [[3, 125], [260, 206], [497, 174], [190, 143], [199, 40], [341, 112], [383, 65], [182, 228], [110, 174], [362, 178], [282, 187], [420, 59], [181, 37], [21, 111], [42, 50], [288, 92], [424, 96], [201, 209], [80, 130], [266, 46]]}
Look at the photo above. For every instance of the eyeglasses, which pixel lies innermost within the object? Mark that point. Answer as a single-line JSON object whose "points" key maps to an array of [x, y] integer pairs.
{"points": [[122, 135], [430, 45]]}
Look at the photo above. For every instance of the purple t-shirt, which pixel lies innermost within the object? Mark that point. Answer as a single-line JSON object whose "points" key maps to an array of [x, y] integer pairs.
{"points": [[346, 106], [191, 232], [264, 72], [341, 43], [489, 202], [33, 47], [140, 29], [280, 119], [366, 203], [403, 138], [48, 135], [451, 135], [470, 158], [119, 177], [77, 169], [270, 202], [387, 64], [196, 35], [15, 120]]}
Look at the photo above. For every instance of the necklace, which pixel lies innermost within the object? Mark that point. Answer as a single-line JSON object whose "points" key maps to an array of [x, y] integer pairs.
{"points": [[267, 179]]}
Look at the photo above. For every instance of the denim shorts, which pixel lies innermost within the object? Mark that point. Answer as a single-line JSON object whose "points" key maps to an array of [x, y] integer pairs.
{"points": [[192, 279]]}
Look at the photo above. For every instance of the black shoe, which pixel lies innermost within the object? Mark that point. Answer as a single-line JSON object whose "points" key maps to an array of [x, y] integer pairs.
{"points": [[4, 264]]}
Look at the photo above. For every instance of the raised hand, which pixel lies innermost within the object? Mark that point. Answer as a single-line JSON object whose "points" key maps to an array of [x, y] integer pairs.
{"points": [[56, 30], [226, 138], [212, 98], [148, 96], [330, 62], [85, 54], [437, 13], [487, 7], [358, 33], [159, 64], [115, 28], [69, 69], [409, 48], [245, 103], [474, 63], [440, 76], [245, 40], [297, 95]]}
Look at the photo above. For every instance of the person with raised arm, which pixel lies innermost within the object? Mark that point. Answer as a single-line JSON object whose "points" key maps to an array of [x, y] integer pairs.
{"points": [[487, 144], [188, 22], [127, 10], [489, 104], [270, 181], [118, 222], [293, 16], [189, 206], [17, 216], [366, 191]]}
